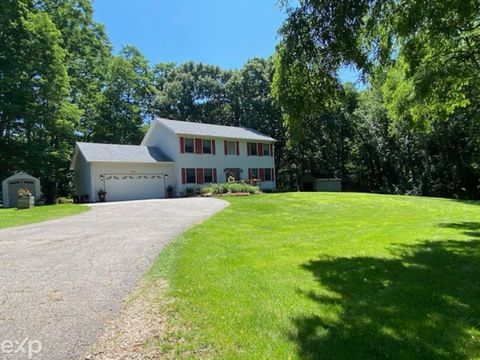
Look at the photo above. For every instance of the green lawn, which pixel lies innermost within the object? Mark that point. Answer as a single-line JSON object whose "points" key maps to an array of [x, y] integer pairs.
{"points": [[323, 275], [14, 217]]}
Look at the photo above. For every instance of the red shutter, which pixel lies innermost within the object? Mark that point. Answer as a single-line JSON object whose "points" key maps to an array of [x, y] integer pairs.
{"points": [[249, 173], [262, 174], [182, 144], [248, 148], [184, 176], [199, 176], [260, 149], [271, 149], [273, 174], [214, 170], [238, 148], [225, 146], [213, 147], [198, 146]]}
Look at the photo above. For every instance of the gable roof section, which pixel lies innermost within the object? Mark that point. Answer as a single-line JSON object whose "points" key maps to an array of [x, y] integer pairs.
{"points": [[119, 153], [201, 129]]}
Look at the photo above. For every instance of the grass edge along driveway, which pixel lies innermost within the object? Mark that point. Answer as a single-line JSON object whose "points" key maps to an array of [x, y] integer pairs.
{"points": [[14, 217], [326, 275]]}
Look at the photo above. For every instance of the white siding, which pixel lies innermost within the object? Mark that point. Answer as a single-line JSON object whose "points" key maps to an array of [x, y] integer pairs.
{"points": [[220, 161], [164, 139]]}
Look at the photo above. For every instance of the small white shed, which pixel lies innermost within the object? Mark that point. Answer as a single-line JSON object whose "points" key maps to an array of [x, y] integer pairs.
{"points": [[12, 184]]}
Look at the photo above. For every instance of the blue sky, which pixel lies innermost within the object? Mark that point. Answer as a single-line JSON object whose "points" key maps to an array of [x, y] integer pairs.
{"points": [[221, 32]]}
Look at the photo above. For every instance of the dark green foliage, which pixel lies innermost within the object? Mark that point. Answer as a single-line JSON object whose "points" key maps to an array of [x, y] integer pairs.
{"points": [[37, 121], [416, 127], [127, 98]]}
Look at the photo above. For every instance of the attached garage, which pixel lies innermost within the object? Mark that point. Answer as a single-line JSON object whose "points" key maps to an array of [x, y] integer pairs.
{"points": [[124, 172], [134, 186]]}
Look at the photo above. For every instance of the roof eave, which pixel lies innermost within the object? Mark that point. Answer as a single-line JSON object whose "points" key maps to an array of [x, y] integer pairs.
{"points": [[131, 162], [226, 137]]}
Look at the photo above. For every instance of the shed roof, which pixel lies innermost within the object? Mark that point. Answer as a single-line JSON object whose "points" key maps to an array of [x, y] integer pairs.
{"points": [[201, 129]]}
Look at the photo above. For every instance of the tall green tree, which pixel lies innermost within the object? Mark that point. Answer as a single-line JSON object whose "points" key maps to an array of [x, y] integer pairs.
{"points": [[88, 52], [192, 92], [425, 57], [127, 99], [37, 121]]}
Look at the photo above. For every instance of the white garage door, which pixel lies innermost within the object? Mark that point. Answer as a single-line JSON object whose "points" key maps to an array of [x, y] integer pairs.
{"points": [[134, 186]]}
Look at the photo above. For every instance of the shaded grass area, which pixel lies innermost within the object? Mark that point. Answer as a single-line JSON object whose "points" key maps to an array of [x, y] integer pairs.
{"points": [[14, 217], [322, 276]]}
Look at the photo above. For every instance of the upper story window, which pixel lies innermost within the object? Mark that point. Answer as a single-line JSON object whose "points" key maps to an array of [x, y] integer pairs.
{"points": [[231, 148], [252, 149], [207, 146], [259, 149], [189, 145], [266, 150], [197, 146]]}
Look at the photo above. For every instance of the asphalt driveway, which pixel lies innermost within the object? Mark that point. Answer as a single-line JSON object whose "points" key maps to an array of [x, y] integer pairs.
{"points": [[62, 279]]}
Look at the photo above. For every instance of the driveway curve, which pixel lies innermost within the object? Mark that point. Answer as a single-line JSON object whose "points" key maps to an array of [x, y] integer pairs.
{"points": [[62, 279]]}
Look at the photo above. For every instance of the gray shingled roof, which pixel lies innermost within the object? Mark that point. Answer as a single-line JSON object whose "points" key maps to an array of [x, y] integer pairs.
{"points": [[127, 153], [200, 129]]}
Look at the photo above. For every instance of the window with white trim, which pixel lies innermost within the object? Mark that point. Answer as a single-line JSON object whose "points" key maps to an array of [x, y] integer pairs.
{"points": [[191, 178], [268, 174], [207, 146], [266, 149], [233, 172], [189, 145], [207, 176], [231, 148]]}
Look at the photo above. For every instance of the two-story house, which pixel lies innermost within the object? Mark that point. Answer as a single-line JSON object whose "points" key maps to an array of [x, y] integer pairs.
{"points": [[173, 153]]}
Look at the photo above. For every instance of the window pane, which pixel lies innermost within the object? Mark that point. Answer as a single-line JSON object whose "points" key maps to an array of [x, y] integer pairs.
{"points": [[268, 174], [191, 176], [207, 146], [189, 146], [255, 173], [253, 148], [231, 148], [266, 149], [235, 173], [207, 175]]}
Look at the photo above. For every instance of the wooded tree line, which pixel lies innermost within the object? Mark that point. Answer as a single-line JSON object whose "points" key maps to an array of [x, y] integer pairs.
{"points": [[412, 129]]}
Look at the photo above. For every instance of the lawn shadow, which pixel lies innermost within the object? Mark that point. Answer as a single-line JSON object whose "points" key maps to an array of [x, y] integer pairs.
{"points": [[469, 228], [423, 304]]}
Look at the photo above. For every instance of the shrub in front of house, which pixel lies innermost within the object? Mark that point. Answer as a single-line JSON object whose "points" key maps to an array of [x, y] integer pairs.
{"points": [[230, 188], [64, 200]]}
